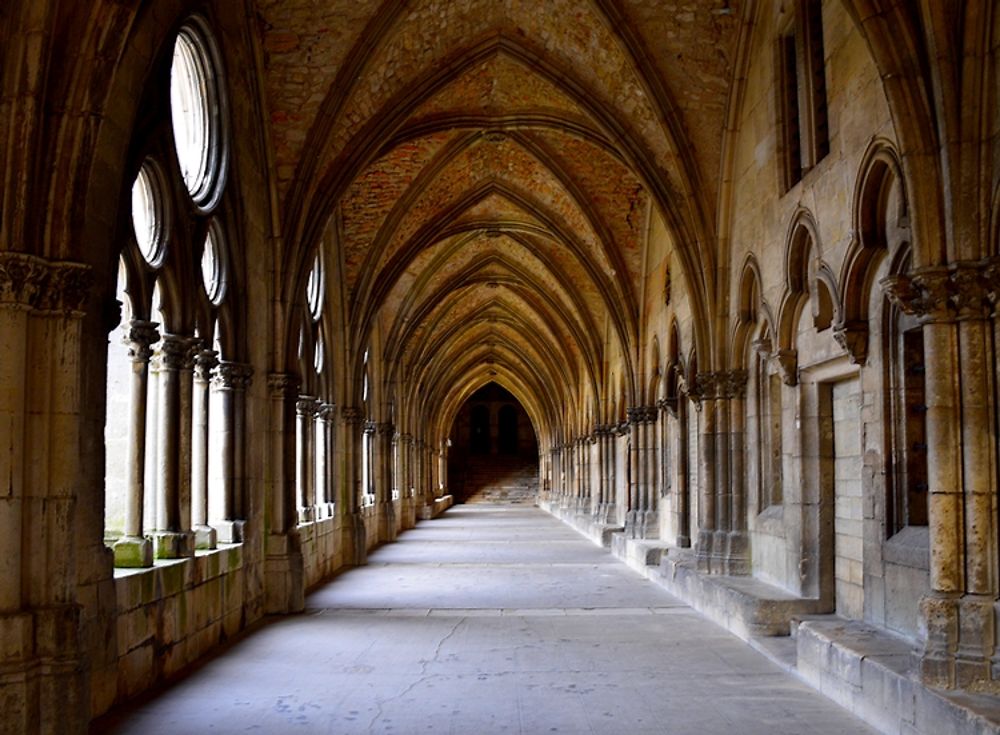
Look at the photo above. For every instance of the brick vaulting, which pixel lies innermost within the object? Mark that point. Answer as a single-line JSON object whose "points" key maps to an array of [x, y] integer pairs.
{"points": [[716, 280]]}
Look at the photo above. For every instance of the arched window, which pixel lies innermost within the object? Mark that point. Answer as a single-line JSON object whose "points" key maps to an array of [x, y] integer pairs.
{"points": [[171, 441], [197, 106]]}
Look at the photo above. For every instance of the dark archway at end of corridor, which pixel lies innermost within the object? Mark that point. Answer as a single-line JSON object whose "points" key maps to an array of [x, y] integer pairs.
{"points": [[494, 450]]}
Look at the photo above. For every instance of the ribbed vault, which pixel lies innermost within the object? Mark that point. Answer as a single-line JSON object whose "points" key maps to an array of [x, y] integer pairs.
{"points": [[484, 175]]}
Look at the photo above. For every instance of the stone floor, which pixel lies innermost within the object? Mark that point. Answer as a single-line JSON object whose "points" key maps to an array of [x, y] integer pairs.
{"points": [[490, 619]]}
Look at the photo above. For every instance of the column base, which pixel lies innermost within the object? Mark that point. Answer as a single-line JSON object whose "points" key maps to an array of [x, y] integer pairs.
{"points": [[205, 537], [737, 554], [230, 532], [133, 552], [386, 521], [704, 551], [939, 629], [284, 589], [173, 544]]}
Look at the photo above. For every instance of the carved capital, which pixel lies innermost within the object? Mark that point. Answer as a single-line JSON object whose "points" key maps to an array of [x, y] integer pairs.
{"points": [[971, 290], [351, 415], [281, 385], [140, 338], [369, 426], [641, 414], [67, 288], [205, 362], [326, 411], [926, 293], [720, 385], [731, 384], [306, 406], [174, 352], [22, 276], [238, 376]]}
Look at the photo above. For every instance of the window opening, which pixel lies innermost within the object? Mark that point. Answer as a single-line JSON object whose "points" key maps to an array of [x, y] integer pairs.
{"points": [[212, 267], [802, 107], [149, 213], [196, 104]]}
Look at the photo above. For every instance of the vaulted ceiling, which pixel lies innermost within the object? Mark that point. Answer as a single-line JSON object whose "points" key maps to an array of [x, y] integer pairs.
{"points": [[490, 167]]}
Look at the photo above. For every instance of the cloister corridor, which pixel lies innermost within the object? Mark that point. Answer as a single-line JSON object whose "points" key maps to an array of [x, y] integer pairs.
{"points": [[489, 619]]}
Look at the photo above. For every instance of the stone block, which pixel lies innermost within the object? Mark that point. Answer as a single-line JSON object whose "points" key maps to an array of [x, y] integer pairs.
{"points": [[133, 553], [136, 671], [16, 634]]}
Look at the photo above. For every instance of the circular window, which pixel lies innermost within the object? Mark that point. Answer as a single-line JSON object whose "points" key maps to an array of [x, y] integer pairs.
{"points": [[149, 215], [196, 111], [314, 289], [319, 355], [213, 272]]}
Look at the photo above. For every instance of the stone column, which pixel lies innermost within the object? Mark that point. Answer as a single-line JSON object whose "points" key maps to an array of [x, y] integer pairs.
{"points": [[386, 506], [608, 512], [284, 575], [355, 536], [324, 454], [641, 517], [134, 549], [926, 294], [704, 393], [205, 536], [230, 381], [736, 550], [305, 466], [46, 536], [171, 541], [977, 625]]}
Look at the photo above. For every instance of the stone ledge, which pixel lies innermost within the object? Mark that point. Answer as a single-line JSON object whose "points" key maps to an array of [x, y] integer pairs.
{"points": [[872, 673], [745, 606]]}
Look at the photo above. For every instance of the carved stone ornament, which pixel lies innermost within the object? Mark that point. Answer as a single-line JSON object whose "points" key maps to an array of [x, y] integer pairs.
{"points": [[641, 414], [306, 406], [174, 352], [925, 294], [351, 415], [33, 282], [140, 338], [853, 337], [326, 411], [238, 376], [279, 385], [205, 362], [732, 384], [788, 363], [971, 290]]}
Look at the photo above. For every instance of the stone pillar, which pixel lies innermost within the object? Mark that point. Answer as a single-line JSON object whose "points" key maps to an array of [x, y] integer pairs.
{"points": [[608, 507], [205, 536], [641, 520], [230, 381], [704, 393], [736, 548], [305, 465], [386, 506], [42, 669], [355, 535], [324, 454], [171, 540], [926, 294], [283, 567], [134, 549]]}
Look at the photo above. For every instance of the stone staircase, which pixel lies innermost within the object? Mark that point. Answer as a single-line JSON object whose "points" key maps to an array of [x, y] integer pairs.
{"points": [[499, 479]]}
